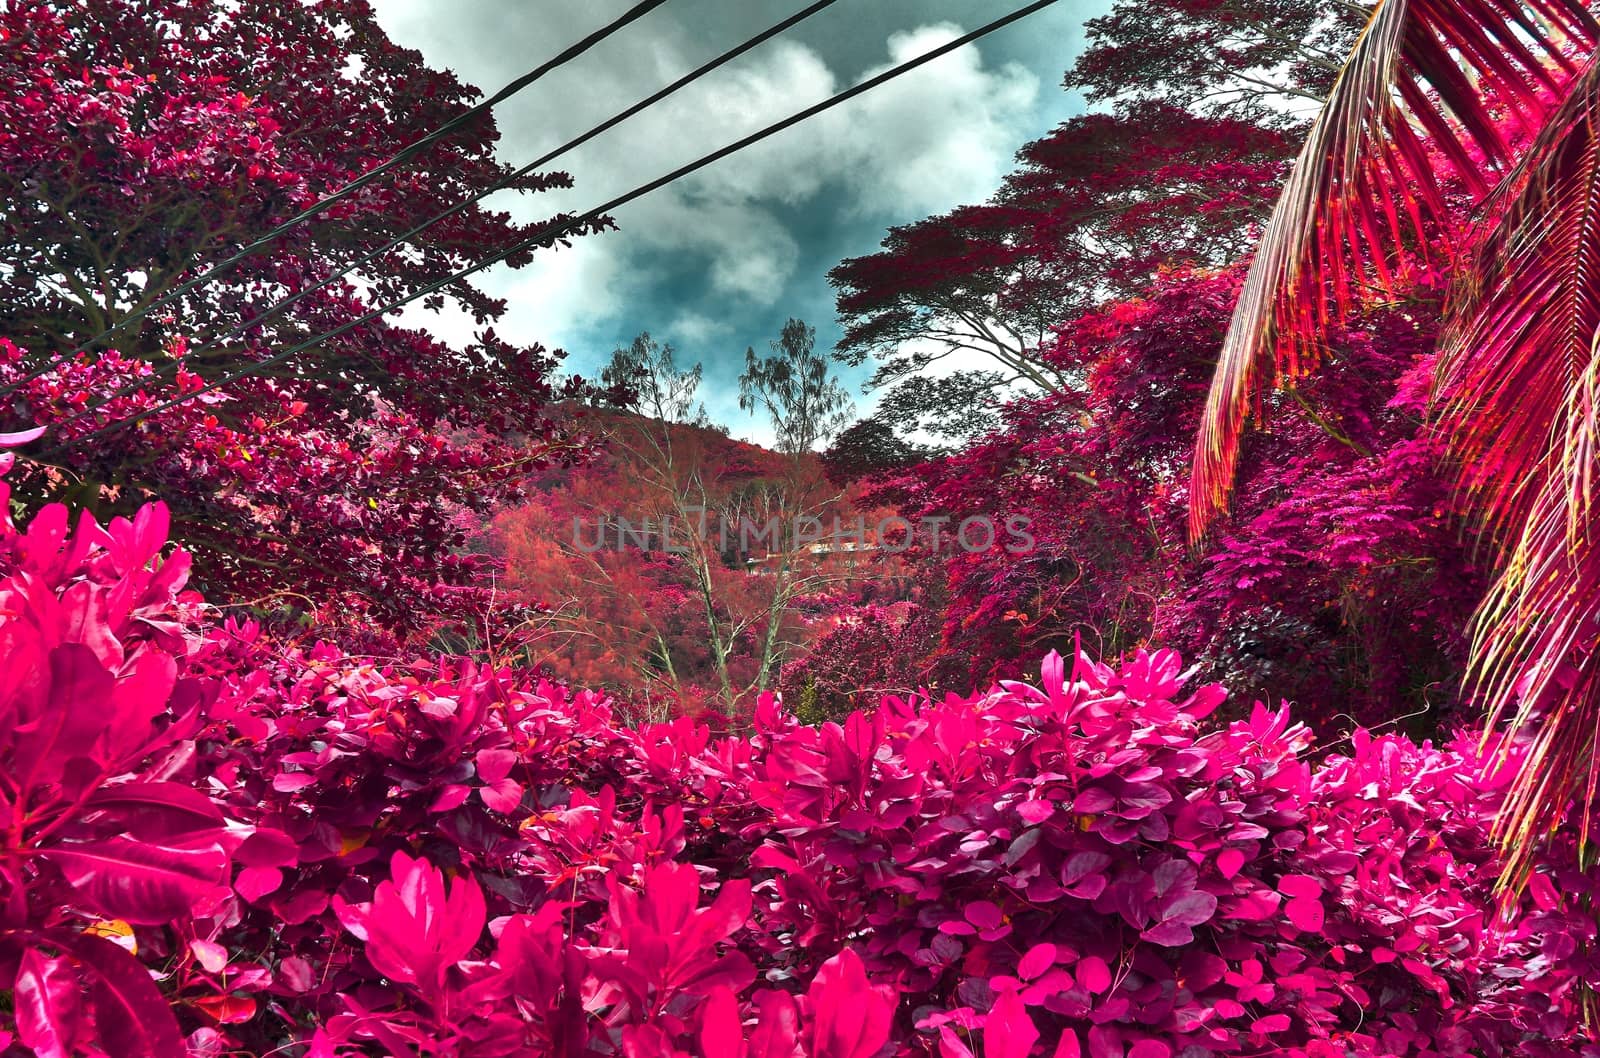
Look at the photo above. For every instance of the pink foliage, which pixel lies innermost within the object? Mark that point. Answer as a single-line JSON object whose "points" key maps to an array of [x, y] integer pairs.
{"points": [[305, 853]]}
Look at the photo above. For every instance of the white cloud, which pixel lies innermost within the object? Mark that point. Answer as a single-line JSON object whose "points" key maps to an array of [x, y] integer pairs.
{"points": [[938, 137], [934, 138], [559, 301], [690, 329]]}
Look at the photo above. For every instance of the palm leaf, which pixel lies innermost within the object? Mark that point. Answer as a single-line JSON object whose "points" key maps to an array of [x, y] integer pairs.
{"points": [[1422, 83], [1522, 382]]}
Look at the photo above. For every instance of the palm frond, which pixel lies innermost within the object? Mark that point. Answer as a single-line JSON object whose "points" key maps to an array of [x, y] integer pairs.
{"points": [[1427, 79], [1521, 376]]}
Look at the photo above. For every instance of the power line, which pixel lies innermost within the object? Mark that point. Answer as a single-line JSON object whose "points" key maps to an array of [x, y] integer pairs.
{"points": [[500, 185], [406, 154], [552, 232]]}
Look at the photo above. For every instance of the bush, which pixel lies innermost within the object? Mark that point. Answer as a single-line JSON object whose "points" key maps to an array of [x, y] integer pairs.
{"points": [[218, 846]]}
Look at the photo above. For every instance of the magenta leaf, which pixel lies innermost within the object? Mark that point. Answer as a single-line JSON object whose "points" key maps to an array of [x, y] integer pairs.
{"points": [[130, 1013], [21, 437], [1093, 974], [152, 811], [1038, 959], [141, 883], [851, 1017], [721, 1032], [267, 848], [777, 1031], [1300, 885], [254, 883], [47, 1004], [1306, 913], [1008, 1032], [1150, 1049]]}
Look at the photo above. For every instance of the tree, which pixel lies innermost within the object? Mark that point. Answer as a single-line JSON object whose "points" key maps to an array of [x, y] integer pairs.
{"points": [[1493, 105], [672, 567], [938, 290], [1340, 581], [796, 390], [1257, 61], [869, 447], [646, 376], [1093, 211], [353, 465]]}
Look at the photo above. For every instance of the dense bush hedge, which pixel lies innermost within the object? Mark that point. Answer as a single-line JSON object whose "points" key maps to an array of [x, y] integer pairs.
{"points": [[215, 845]]}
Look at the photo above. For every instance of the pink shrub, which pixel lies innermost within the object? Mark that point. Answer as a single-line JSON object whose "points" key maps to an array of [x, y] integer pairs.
{"points": [[308, 854]]}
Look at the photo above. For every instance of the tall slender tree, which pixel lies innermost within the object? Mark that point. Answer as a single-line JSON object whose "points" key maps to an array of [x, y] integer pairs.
{"points": [[796, 389]]}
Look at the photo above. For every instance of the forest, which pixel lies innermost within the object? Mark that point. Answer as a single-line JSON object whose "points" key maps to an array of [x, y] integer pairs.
{"points": [[1188, 644]]}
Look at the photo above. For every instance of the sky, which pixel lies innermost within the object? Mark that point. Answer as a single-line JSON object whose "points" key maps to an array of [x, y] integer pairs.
{"points": [[718, 262]]}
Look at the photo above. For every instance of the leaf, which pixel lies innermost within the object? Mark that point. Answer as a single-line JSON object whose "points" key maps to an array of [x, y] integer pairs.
{"points": [[226, 1010], [210, 955], [721, 1034], [1039, 958], [1307, 914], [267, 847], [777, 1030], [47, 1004], [1008, 1032], [130, 1013], [254, 883], [80, 688], [151, 811], [1190, 909], [148, 885], [117, 931], [1301, 885], [1093, 974], [852, 1018], [1150, 1049], [1338, 225], [21, 437], [1035, 811], [1522, 379]]}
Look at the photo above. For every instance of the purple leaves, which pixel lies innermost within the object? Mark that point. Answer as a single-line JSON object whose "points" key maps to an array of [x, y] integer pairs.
{"points": [[1176, 906]]}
